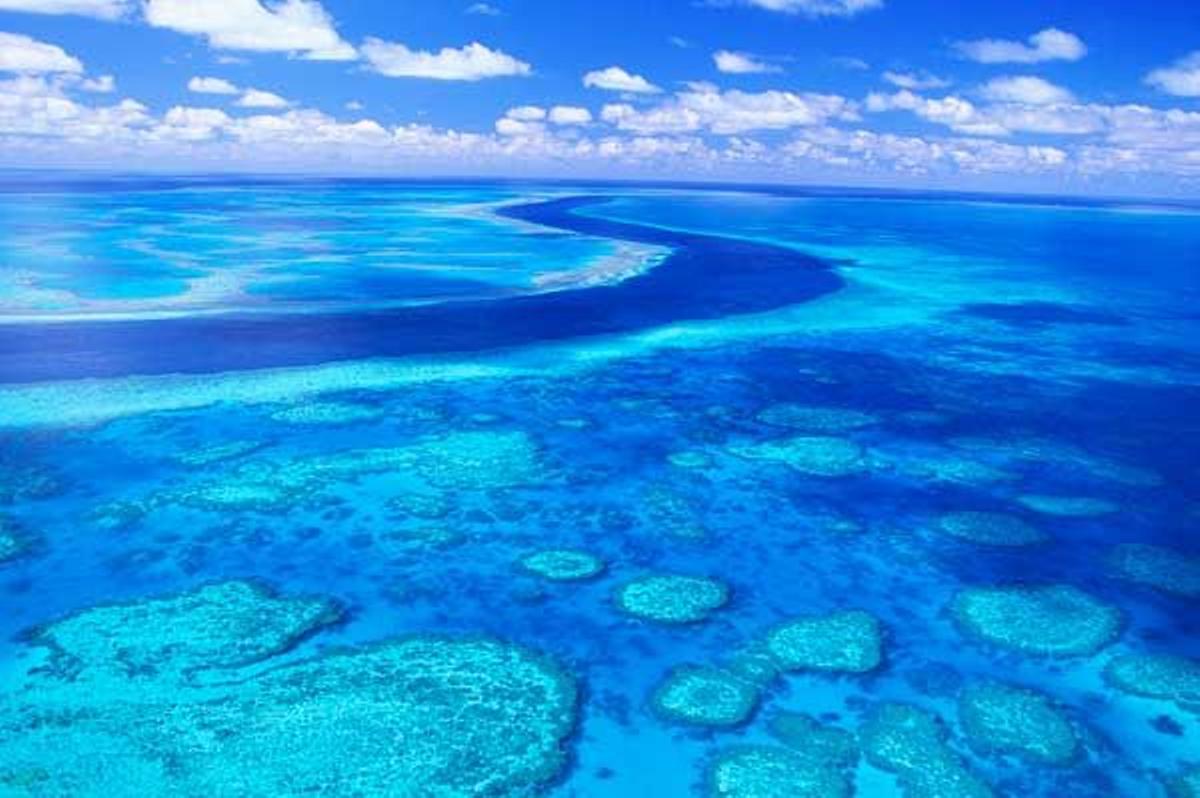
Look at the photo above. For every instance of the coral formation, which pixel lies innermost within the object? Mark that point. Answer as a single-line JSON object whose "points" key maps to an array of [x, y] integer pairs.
{"points": [[820, 743], [1159, 567], [693, 459], [221, 625], [1046, 620], [1185, 784], [12, 543], [990, 529], [1003, 719], [815, 419], [217, 453], [912, 743], [704, 696], [761, 771], [850, 642], [481, 460], [326, 413], [672, 598], [563, 565], [174, 699], [23, 482], [1161, 676], [1068, 506], [814, 455]]}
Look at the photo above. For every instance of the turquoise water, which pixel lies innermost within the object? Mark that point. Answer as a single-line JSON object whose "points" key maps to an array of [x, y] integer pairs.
{"points": [[271, 248], [830, 495]]}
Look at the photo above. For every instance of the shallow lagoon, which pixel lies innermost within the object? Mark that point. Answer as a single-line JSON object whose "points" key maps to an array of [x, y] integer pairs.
{"points": [[1027, 379]]}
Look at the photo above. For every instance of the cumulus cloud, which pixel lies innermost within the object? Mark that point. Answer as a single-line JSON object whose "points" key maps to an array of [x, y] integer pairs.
{"points": [[860, 149], [526, 113], [1181, 78], [614, 78], [1050, 44], [705, 107], [102, 84], [816, 8], [1025, 89], [470, 63], [915, 81], [570, 115], [102, 9], [20, 53], [955, 112], [483, 9], [257, 98], [734, 63], [201, 85], [301, 27]]}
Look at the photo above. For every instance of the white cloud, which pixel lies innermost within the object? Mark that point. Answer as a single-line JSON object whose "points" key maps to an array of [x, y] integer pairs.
{"points": [[511, 126], [734, 63], [817, 8], [211, 86], [570, 115], [1181, 78], [470, 63], [1027, 90], [103, 9], [705, 107], [103, 84], [954, 112], [860, 149], [483, 9], [257, 98], [915, 81], [614, 78], [193, 124], [851, 63], [22, 54], [1050, 44], [526, 113], [289, 26], [354, 105]]}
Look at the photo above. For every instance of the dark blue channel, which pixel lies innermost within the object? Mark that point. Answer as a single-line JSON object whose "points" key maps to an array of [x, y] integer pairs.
{"points": [[704, 277]]}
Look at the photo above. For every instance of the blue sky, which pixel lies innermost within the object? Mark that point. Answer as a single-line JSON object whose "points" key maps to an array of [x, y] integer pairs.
{"points": [[1087, 96]]}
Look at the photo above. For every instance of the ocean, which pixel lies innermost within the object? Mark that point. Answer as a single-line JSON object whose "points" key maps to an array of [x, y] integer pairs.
{"points": [[366, 487]]}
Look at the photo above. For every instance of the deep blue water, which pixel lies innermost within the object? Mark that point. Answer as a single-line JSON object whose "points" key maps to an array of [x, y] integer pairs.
{"points": [[793, 394]]}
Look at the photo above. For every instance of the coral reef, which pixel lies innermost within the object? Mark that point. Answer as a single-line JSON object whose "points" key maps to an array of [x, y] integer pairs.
{"points": [[1068, 506], [912, 743], [563, 565], [1003, 719], [672, 598], [1159, 567], [326, 413], [1185, 784], [217, 453], [1163, 676], [703, 696], [176, 694], [771, 772], [223, 625], [477, 460], [12, 543], [990, 529], [815, 419], [1045, 620], [815, 455], [849, 642], [821, 743], [21, 482]]}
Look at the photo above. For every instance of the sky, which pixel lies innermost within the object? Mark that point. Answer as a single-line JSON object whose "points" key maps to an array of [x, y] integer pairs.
{"points": [[1096, 97]]}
